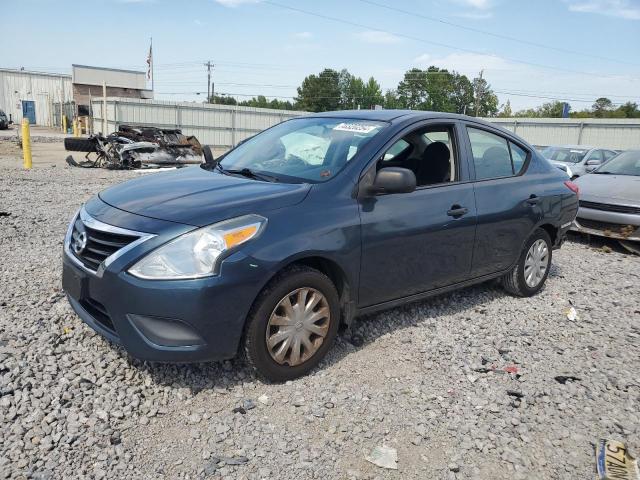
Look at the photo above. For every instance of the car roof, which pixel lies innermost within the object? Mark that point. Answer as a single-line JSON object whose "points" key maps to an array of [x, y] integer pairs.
{"points": [[395, 115]]}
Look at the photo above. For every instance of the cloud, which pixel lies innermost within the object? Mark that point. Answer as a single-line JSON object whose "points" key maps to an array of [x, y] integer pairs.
{"points": [[467, 63], [475, 15], [235, 3], [479, 4], [303, 35], [613, 8], [375, 36]]}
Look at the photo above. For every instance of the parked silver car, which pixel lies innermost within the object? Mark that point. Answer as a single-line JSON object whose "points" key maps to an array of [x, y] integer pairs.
{"points": [[581, 159], [610, 200]]}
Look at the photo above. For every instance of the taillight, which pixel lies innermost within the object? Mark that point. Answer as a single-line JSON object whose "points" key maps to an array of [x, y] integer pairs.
{"points": [[573, 187]]}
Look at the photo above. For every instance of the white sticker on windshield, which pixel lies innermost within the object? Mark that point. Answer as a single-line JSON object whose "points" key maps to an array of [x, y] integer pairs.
{"points": [[577, 151], [355, 127]]}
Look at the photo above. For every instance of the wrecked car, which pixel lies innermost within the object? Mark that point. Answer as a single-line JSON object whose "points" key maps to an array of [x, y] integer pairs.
{"points": [[136, 147], [273, 247], [610, 202]]}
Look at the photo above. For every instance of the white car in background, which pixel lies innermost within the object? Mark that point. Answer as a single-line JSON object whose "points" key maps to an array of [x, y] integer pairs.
{"points": [[563, 166], [579, 159]]}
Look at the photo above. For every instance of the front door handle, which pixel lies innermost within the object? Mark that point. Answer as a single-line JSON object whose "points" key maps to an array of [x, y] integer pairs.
{"points": [[457, 211], [533, 200]]}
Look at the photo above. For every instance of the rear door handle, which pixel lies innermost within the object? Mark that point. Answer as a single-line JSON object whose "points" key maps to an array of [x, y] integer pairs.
{"points": [[533, 200], [457, 211]]}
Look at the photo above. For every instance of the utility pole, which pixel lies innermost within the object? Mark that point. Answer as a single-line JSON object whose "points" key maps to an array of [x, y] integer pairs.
{"points": [[209, 66], [479, 93]]}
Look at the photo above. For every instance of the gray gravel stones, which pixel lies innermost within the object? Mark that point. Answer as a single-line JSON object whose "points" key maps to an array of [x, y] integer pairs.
{"points": [[429, 379]]}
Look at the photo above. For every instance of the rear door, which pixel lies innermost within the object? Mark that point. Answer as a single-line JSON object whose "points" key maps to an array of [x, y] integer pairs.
{"points": [[423, 240], [508, 202]]}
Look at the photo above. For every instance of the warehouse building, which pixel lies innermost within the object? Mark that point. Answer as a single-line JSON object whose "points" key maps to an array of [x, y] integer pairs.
{"points": [[33, 94], [41, 97], [88, 82]]}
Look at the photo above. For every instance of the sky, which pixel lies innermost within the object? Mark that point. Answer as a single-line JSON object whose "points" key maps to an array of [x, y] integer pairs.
{"points": [[531, 51]]}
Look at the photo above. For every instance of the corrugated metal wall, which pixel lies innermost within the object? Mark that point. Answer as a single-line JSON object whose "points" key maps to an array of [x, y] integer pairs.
{"points": [[42, 88], [616, 133], [220, 126], [223, 126]]}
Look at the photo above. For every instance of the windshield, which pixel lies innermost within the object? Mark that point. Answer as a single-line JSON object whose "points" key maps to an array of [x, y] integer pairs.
{"points": [[303, 149], [627, 163], [563, 154]]}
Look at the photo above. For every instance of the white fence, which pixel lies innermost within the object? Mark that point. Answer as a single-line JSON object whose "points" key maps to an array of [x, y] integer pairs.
{"points": [[223, 126], [220, 126], [615, 133]]}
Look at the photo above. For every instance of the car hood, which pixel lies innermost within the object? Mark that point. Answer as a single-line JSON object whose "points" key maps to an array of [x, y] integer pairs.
{"points": [[620, 188], [199, 197]]}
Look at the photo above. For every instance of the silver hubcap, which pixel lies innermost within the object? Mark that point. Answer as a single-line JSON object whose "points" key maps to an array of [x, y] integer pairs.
{"points": [[536, 263], [298, 326]]}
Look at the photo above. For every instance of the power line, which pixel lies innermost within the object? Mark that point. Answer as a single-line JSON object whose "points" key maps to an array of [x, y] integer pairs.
{"points": [[493, 34], [422, 40]]}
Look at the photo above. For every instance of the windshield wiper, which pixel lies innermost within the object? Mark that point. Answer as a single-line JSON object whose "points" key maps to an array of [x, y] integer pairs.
{"points": [[603, 172], [247, 172]]}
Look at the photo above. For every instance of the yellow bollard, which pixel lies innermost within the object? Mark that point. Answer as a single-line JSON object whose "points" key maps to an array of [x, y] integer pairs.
{"points": [[64, 123], [75, 128], [26, 144]]}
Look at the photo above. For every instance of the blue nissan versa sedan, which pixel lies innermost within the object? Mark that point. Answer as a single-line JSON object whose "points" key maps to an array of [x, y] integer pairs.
{"points": [[307, 225]]}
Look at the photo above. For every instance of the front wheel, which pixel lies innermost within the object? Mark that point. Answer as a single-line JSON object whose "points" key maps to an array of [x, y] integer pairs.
{"points": [[292, 324], [528, 276]]}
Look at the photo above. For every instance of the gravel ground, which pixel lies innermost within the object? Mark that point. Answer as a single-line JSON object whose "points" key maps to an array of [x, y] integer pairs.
{"points": [[427, 379]]}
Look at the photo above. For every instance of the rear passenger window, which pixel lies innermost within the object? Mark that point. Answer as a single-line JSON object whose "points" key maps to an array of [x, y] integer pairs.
{"points": [[490, 155], [495, 156]]}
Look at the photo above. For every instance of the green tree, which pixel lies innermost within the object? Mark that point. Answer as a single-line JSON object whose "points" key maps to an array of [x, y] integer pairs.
{"points": [[551, 110], [630, 110], [602, 107], [462, 96], [412, 90], [506, 111], [485, 101], [223, 100], [391, 100], [320, 93]]}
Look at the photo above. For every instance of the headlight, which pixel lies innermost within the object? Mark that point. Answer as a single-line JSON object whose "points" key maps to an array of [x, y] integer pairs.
{"points": [[194, 254]]}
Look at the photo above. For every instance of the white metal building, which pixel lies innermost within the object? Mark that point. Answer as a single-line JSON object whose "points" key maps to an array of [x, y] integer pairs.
{"points": [[33, 93]]}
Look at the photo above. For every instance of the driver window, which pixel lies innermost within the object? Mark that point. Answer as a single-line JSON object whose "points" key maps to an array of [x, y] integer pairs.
{"points": [[429, 152]]}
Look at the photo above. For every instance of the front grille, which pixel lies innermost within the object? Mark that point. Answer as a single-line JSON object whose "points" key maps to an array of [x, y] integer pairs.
{"points": [[99, 246], [598, 225], [98, 312], [610, 208]]}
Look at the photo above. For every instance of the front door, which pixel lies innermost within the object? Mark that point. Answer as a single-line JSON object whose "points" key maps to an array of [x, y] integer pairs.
{"points": [[419, 241], [29, 110]]}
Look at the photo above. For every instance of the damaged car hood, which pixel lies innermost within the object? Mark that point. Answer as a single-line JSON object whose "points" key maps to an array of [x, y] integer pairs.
{"points": [[613, 188], [199, 197]]}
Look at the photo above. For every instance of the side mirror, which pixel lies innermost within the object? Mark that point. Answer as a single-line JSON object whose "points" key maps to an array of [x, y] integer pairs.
{"points": [[393, 180], [595, 163]]}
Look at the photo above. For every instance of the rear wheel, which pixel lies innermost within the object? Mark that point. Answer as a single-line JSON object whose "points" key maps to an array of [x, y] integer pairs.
{"points": [[292, 324], [528, 276]]}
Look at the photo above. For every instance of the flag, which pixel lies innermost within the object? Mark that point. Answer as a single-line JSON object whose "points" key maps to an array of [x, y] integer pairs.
{"points": [[149, 61]]}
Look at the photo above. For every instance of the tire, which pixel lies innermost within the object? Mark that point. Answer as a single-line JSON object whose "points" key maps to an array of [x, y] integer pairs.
{"points": [[72, 144], [289, 284], [514, 282], [208, 155]]}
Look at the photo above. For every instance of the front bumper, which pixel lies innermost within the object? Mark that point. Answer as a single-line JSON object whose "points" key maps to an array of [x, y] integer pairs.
{"points": [[165, 321], [620, 226]]}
